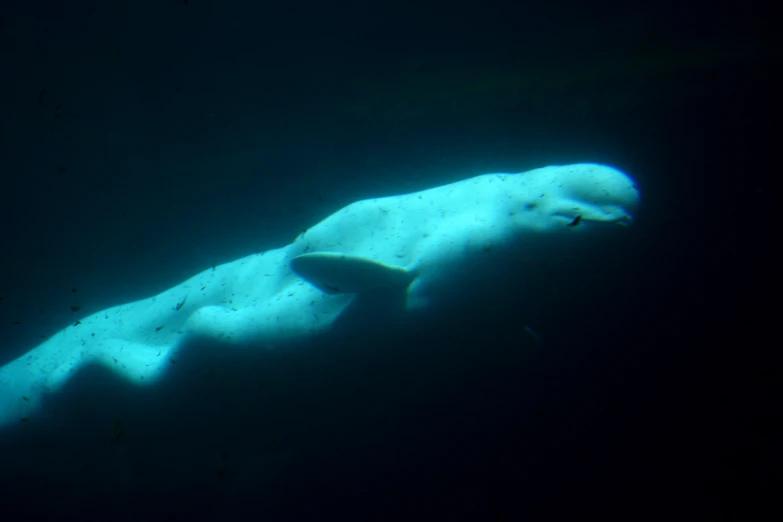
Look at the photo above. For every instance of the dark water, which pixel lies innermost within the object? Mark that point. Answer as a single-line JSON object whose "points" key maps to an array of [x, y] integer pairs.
{"points": [[145, 141]]}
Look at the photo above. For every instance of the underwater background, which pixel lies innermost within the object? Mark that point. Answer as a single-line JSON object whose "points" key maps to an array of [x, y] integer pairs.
{"points": [[143, 142]]}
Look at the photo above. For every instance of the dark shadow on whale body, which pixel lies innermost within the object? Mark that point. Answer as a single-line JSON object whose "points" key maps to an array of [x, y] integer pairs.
{"points": [[229, 427], [379, 416]]}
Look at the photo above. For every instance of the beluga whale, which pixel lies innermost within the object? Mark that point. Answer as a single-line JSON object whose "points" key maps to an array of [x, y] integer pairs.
{"points": [[409, 247]]}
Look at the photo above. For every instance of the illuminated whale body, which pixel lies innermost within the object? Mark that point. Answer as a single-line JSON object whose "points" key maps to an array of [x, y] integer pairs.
{"points": [[411, 245]]}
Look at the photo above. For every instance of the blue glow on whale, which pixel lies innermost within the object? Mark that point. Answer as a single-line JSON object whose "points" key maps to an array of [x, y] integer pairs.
{"points": [[414, 244]]}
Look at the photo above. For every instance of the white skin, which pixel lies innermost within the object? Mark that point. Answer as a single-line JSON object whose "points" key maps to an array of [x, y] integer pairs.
{"points": [[434, 234]]}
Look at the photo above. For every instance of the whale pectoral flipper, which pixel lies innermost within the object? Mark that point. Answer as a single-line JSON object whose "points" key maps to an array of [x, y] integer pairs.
{"points": [[335, 273]]}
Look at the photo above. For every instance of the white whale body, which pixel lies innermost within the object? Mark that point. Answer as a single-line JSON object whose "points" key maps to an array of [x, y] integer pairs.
{"points": [[413, 244]]}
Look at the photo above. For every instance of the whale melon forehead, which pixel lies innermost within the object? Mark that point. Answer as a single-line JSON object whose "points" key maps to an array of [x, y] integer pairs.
{"points": [[598, 184]]}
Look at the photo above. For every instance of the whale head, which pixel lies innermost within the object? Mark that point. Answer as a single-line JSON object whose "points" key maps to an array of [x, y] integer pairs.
{"points": [[530, 215], [573, 195]]}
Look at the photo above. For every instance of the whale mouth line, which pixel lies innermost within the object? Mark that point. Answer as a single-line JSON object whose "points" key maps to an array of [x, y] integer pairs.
{"points": [[587, 217]]}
